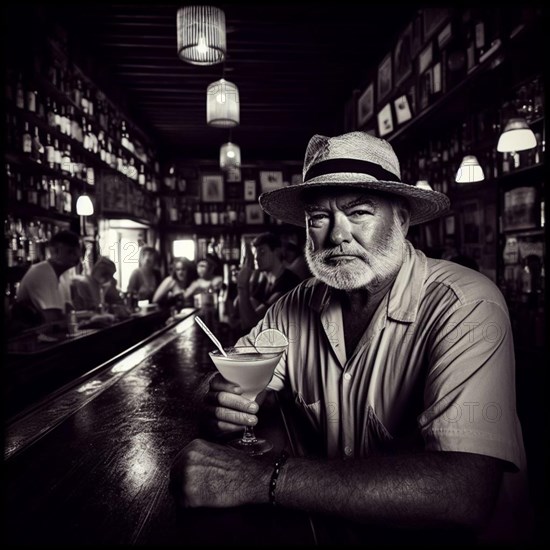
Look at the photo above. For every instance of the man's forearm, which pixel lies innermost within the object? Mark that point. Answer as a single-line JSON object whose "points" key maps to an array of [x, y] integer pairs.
{"points": [[432, 489]]}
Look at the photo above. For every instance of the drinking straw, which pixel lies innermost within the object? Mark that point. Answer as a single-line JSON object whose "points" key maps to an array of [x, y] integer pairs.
{"points": [[208, 332]]}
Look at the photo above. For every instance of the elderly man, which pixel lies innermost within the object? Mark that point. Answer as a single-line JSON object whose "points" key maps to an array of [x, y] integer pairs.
{"points": [[402, 365]]}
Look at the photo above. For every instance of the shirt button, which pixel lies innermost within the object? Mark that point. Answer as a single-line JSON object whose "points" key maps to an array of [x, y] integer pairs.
{"points": [[348, 451], [347, 376]]}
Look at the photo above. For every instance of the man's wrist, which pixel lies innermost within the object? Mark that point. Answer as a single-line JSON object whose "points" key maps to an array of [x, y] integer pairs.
{"points": [[259, 485]]}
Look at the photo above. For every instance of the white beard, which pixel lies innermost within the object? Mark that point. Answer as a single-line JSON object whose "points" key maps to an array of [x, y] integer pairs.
{"points": [[369, 270]]}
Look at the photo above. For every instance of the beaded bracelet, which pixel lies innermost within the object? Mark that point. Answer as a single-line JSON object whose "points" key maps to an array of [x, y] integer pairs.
{"points": [[279, 463]]}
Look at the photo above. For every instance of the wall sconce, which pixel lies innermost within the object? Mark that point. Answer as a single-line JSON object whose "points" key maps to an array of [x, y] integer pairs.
{"points": [[201, 35], [230, 156], [469, 170], [517, 136], [222, 104]]}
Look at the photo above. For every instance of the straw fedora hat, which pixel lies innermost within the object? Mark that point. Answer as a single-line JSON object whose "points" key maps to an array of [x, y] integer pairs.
{"points": [[355, 160]]}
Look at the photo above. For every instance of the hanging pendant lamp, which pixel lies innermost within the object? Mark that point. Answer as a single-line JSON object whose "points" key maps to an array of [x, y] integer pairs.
{"points": [[469, 171], [222, 104], [230, 156], [84, 205], [201, 35], [517, 136]]}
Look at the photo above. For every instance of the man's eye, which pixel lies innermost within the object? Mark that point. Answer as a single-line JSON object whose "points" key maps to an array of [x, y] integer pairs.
{"points": [[317, 218], [359, 213]]}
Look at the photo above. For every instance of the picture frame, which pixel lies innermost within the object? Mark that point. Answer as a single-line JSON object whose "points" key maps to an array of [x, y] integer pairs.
{"points": [[432, 20], [402, 61], [233, 174], [254, 214], [212, 188], [416, 36], [385, 121], [425, 89], [365, 105], [270, 180], [437, 82], [402, 109], [520, 208], [384, 81], [425, 58], [445, 35], [249, 190]]}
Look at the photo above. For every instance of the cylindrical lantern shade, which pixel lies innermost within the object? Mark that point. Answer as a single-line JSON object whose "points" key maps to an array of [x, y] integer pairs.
{"points": [[469, 171], [230, 155], [84, 206], [201, 35], [222, 104]]}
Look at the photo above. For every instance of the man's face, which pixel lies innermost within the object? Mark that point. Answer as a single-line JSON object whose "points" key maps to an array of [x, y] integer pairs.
{"points": [[354, 239], [264, 257], [203, 269], [66, 256], [103, 274]]}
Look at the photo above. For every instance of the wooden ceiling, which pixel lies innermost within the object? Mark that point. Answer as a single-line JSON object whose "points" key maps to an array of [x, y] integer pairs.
{"points": [[295, 66]]}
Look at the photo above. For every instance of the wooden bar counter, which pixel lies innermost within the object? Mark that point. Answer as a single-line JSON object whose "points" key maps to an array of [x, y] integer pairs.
{"points": [[90, 464]]}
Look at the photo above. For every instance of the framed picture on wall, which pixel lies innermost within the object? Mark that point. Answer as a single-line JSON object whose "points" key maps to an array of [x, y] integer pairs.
{"points": [[271, 180], [416, 36], [425, 58], [254, 214], [402, 109], [402, 64], [249, 190], [432, 19], [212, 188], [384, 82], [365, 105], [385, 121]]}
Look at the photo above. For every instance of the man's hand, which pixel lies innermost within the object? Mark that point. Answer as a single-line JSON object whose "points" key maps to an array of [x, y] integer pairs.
{"points": [[225, 410], [208, 474]]}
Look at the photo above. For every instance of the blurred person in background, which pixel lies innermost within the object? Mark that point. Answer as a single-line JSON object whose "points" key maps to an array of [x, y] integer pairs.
{"points": [[170, 292], [41, 297], [145, 279]]}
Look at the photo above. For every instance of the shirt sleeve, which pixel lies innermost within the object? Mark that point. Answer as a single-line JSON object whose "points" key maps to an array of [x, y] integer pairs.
{"points": [[469, 396]]}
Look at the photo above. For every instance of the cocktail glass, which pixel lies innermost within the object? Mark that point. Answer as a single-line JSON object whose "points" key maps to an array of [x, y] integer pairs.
{"points": [[251, 368]]}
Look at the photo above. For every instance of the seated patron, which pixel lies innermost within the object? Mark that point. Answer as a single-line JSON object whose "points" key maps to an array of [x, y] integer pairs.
{"points": [[170, 292], [145, 279], [40, 296], [98, 291], [208, 280]]}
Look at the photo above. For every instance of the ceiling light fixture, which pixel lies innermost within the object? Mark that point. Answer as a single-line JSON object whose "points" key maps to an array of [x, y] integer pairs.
{"points": [[222, 104], [469, 170], [201, 35], [230, 156], [517, 136]]}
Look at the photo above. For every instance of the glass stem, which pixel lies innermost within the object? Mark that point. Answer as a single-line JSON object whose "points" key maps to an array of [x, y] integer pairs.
{"points": [[248, 437]]}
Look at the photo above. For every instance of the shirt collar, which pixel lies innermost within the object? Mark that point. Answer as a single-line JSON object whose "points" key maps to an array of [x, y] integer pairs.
{"points": [[404, 295]]}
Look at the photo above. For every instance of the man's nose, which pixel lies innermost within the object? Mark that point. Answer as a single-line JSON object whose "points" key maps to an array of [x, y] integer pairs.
{"points": [[340, 231]]}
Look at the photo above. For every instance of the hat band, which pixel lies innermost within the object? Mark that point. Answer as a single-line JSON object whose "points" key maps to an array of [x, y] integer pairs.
{"points": [[335, 166]]}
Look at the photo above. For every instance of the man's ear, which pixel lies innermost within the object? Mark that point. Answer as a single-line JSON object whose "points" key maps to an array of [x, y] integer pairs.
{"points": [[403, 216]]}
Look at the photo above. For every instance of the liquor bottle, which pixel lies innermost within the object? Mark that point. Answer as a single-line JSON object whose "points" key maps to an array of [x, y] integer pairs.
{"points": [[26, 140], [57, 154], [67, 161], [31, 99], [19, 93], [37, 149]]}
